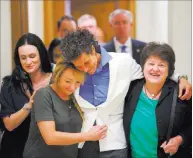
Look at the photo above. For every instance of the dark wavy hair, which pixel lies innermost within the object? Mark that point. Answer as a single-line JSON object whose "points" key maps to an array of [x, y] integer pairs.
{"points": [[76, 43], [164, 51], [55, 43], [65, 17], [18, 75]]}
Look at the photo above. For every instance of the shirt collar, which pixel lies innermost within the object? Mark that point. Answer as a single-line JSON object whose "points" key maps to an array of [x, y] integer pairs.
{"points": [[118, 44], [105, 58]]}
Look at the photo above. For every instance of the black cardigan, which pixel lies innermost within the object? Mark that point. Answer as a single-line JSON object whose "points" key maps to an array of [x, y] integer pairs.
{"points": [[11, 101], [182, 122]]}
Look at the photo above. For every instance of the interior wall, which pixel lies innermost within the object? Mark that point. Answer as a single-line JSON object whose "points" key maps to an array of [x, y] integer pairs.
{"points": [[179, 36], [5, 43], [53, 11], [152, 21], [168, 22], [36, 19], [101, 9]]}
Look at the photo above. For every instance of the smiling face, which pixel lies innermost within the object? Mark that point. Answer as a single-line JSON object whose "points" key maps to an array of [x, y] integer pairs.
{"points": [[69, 81], [86, 63], [29, 58], [155, 70]]}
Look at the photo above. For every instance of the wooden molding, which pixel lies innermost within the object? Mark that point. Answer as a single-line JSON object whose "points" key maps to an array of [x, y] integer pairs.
{"points": [[132, 8], [48, 22], [19, 20], [53, 10], [101, 9]]}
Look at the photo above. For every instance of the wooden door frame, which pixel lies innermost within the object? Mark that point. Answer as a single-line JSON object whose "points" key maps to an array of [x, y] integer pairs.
{"points": [[19, 21]]}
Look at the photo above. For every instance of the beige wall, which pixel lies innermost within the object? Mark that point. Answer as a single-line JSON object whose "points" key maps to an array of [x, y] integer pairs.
{"points": [[6, 48], [168, 22], [35, 17], [179, 36]]}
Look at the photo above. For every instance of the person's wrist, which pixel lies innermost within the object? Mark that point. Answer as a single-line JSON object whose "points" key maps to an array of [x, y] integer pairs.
{"points": [[183, 76], [27, 107], [179, 139], [85, 136]]}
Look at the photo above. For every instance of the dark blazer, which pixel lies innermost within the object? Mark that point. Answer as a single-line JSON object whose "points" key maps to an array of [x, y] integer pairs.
{"points": [[12, 100], [183, 116], [137, 47]]}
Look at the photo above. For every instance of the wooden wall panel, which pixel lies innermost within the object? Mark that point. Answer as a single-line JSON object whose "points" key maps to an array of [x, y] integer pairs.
{"points": [[132, 8], [130, 5], [48, 22], [58, 13], [101, 10], [53, 10], [19, 20]]}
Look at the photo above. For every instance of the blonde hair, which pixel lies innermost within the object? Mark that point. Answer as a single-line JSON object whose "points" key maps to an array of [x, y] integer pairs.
{"points": [[61, 66]]}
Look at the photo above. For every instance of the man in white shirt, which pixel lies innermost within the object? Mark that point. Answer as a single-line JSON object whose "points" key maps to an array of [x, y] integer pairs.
{"points": [[121, 22]]}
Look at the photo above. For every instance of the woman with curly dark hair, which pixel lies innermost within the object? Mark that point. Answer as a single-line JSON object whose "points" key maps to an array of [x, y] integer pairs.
{"points": [[148, 109]]}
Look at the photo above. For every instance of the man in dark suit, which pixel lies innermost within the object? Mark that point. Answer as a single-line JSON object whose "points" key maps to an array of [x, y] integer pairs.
{"points": [[121, 23]]}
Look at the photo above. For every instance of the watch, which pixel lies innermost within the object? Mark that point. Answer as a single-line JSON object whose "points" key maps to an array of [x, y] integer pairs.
{"points": [[183, 76], [25, 107]]}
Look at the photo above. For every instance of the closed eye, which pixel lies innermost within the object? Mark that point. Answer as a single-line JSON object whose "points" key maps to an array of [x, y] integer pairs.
{"points": [[32, 56]]}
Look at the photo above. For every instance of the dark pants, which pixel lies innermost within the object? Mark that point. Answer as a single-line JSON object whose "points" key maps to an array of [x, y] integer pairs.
{"points": [[91, 150]]}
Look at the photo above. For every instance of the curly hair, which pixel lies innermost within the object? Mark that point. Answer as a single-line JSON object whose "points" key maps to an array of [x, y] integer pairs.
{"points": [[76, 43], [65, 17]]}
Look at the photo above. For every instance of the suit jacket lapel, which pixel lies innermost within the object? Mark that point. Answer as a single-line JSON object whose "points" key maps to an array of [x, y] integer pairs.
{"points": [[165, 91], [136, 52], [113, 46], [130, 108], [112, 78]]}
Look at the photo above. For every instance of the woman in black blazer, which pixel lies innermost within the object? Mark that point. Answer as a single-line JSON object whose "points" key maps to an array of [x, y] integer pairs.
{"points": [[148, 106]]}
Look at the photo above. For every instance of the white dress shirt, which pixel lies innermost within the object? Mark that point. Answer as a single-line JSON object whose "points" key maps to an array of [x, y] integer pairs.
{"points": [[118, 46]]}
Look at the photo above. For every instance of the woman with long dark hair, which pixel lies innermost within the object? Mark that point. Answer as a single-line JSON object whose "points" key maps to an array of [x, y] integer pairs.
{"points": [[32, 71]]}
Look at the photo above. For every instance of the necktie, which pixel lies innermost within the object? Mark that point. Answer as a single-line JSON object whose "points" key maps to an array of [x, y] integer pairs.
{"points": [[123, 48]]}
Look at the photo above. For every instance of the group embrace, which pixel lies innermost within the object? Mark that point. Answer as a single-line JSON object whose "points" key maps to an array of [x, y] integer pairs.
{"points": [[93, 103]]}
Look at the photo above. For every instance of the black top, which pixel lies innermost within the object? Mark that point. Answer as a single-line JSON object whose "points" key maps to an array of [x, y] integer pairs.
{"points": [[182, 121], [48, 106], [11, 101]]}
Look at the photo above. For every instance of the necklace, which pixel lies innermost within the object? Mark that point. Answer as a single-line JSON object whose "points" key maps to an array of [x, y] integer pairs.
{"points": [[153, 96]]}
